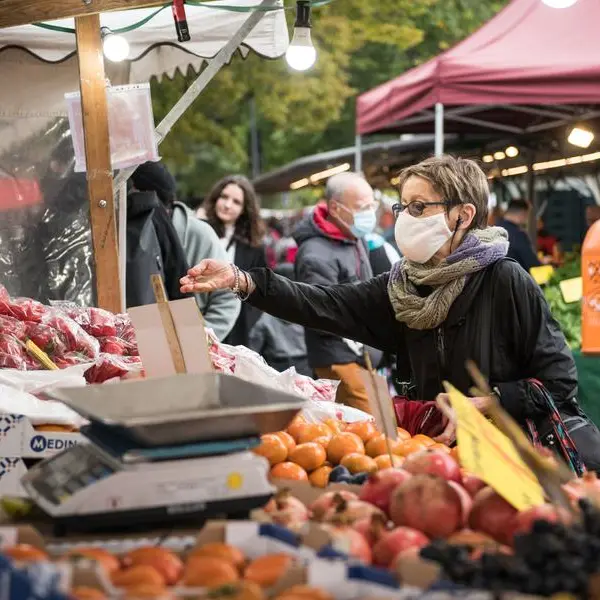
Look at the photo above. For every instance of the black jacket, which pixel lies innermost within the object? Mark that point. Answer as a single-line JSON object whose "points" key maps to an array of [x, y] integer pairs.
{"points": [[328, 259], [246, 258], [520, 247]]}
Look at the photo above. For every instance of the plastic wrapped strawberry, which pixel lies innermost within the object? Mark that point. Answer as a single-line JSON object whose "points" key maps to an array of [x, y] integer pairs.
{"points": [[12, 354], [46, 338], [75, 338], [12, 326]]}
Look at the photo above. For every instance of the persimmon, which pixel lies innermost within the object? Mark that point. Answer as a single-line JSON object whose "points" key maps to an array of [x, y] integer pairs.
{"points": [[320, 477], [309, 456], [242, 590], [305, 592], [109, 562], [342, 444], [287, 439], [455, 454], [403, 434], [137, 575], [377, 446], [222, 550], [425, 439], [273, 448], [166, 562], [288, 470], [83, 592], [208, 571], [409, 446], [309, 431], [294, 427], [441, 448], [323, 441], [359, 463], [25, 553], [383, 461], [148, 592], [268, 569], [335, 425], [365, 430]]}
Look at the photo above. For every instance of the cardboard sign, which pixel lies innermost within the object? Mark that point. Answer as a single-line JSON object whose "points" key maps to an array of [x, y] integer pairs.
{"points": [[572, 289], [380, 403], [542, 274], [487, 453]]}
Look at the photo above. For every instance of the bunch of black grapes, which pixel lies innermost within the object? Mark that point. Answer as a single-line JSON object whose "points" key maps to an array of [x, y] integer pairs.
{"points": [[551, 559]]}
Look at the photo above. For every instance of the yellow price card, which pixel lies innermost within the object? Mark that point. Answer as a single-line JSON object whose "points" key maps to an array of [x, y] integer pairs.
{"points": [[487, 453], [572, 289], [542, 274]]}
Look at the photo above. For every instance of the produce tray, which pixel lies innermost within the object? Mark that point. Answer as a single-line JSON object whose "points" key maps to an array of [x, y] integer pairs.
{"points": [[185, 408]]}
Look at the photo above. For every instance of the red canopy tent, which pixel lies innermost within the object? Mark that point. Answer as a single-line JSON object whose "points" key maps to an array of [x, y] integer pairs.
{"points": [[500, 78]]}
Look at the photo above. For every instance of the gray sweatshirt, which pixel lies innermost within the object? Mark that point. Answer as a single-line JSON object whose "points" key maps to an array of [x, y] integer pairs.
{"points": [[199, 240]]}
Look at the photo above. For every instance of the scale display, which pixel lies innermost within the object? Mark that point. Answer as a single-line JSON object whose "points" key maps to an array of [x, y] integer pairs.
{"points": [[59, 477]]}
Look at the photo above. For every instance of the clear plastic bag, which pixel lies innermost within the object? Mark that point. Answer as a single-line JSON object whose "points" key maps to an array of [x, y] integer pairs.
{"points": [[109, 366], [12, 354]]}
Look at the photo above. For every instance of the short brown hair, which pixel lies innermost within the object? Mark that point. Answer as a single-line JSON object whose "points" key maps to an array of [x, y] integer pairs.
{"points": [[456, 180]]}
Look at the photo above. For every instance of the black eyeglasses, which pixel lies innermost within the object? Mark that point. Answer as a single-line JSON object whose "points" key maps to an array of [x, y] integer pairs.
{"points": [[416, 208]]}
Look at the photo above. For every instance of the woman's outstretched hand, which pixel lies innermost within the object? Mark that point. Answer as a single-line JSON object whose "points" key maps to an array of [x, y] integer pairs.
{"points": [[208, 276]]}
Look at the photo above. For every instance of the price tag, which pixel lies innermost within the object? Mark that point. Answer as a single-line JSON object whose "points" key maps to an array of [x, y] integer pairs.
{"points": [[572, 289], [542, 274], [487, 453]]}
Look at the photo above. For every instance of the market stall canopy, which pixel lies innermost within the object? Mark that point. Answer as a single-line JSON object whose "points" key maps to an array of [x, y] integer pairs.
{"points": [[527, 57]]}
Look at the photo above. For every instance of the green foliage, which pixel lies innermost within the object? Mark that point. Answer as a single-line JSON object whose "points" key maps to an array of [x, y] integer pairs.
{"points": [[360, 43], [567, 315]]}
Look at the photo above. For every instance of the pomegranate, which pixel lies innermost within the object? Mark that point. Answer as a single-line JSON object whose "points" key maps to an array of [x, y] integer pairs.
{"points": [[465, 500], [411, 555], [379, 487], [396, 541], [472, 483], [546, 512], [493, 515], [429, 504], [350, 510], [350, 542], [285, 509], [372, 528], [325, 502], [433, 462]]}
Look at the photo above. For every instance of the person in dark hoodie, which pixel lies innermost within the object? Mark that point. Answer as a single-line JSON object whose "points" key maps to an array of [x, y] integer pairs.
{"points": [[332, 250], [153, 247], [221, 308]]}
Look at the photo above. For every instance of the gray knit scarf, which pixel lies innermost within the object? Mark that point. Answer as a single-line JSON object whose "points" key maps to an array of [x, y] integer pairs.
{"points": [[479, 249]]}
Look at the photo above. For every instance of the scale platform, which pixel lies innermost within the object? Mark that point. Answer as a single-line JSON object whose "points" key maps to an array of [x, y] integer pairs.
{"points": [[154, 462]]}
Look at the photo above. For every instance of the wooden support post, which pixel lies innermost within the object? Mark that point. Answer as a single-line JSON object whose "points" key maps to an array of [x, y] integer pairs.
{"points": [[92, 82]]}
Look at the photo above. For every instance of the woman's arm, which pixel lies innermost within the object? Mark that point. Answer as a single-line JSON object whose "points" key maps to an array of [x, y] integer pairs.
{"points": [[358, 311]]}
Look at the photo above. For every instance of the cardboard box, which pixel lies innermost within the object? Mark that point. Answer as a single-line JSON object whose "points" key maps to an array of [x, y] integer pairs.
{"points": [[19, 438], [11, 472]]}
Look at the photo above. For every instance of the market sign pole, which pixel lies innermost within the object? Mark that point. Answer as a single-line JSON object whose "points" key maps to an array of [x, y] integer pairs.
{"points": [[94, 105]]}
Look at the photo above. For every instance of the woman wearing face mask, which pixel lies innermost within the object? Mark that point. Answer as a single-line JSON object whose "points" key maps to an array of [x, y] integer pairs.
{"points": [[232, 209], [453, 297]]}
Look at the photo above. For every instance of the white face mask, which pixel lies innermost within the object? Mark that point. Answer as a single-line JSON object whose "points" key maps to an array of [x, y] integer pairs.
{"points": [[420, 238]]}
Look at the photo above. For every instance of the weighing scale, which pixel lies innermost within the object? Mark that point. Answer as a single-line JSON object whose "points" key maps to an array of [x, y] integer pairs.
{"points": [[153, 462]]}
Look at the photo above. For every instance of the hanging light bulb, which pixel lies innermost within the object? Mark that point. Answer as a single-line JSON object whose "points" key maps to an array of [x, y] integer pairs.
{"points": [[559, 3], [115, 47], [301, 54]]}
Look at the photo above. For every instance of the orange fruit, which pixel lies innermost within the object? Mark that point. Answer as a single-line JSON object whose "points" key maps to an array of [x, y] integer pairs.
{"points": [[377, 446], [287, 439], [441, 448], [167, 563], [359, 463], [383, 461], [137, 575], [323, 441], [227, 552], [208, 571], [403, 434], [272, 448], [365, 430], [25, 553], [342, 444], [425, 439], [288, 470], [83, 592], [410, 446], [268, 569], [294, 427], [311, 431], [320, 477], [454, 454], [309, 456], [305, 592], [335, 425], [109, 561], [148, 592]]}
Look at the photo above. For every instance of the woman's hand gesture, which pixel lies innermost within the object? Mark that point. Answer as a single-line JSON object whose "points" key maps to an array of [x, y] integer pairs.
{"points": [[208, 276]]}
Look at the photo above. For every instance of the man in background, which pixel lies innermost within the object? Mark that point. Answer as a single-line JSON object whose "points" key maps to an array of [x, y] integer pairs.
{"points": [[515, 221], [332, 250]]}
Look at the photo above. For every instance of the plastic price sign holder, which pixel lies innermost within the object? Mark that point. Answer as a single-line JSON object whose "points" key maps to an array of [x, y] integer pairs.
{"points": [[542, 274], [571, 289], [487, 453]]}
